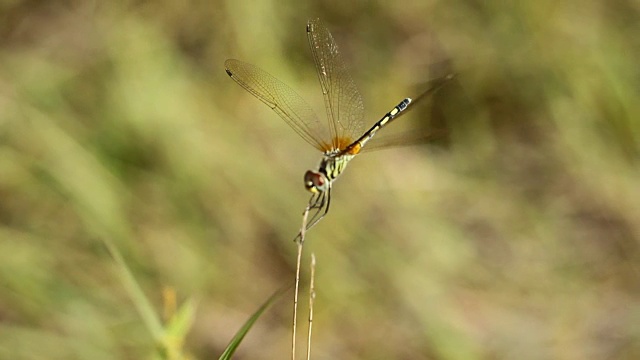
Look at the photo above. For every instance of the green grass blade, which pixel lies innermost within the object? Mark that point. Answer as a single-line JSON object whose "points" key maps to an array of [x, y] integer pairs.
{"points": [[177, 329], [237, 339], [140, 301]]}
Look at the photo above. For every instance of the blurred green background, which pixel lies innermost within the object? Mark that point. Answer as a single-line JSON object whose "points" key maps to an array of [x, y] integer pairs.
{"points": [[518, 240]]}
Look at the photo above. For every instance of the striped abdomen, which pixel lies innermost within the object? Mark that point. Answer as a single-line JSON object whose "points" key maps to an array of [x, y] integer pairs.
{"points": [[357, 145]]}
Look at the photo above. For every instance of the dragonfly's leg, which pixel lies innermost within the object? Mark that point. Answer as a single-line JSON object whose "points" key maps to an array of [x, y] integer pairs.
{"points": [[318, 205], [326, 201], [316, 202], [321, 204]]}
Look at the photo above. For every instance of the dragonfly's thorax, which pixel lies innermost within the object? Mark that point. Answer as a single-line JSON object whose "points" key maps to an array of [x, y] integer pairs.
{"points": [[331, 166]]}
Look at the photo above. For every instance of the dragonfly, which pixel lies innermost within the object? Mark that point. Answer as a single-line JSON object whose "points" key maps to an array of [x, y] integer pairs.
{"points": [[343, 136]]}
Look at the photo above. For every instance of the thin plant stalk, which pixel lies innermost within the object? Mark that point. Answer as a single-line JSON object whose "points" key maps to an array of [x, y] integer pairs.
{"points": [[300, 243], [312, 297]]}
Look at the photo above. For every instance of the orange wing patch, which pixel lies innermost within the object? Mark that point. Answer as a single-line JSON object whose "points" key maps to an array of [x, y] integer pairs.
{"points": [[340, 143], [343, 142]]}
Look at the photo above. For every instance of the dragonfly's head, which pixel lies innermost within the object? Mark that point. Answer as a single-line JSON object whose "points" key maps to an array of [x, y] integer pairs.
{"points": [[315, 181]]}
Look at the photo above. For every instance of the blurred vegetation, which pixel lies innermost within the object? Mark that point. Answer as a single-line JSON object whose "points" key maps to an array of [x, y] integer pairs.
{"points": [[519, 240]]}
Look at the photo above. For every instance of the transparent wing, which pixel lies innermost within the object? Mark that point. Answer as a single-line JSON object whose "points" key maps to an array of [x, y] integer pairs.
{"points": [[342, 99], [283, 100], [440, 135], [409, 138]]}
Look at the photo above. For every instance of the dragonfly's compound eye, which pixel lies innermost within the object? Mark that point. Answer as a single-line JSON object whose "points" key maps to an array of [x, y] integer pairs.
{"points": [[315, 181]]}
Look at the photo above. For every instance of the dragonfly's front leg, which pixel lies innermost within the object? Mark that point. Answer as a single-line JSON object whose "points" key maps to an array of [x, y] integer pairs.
{"points": [[322, 205], [320, 202]]}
